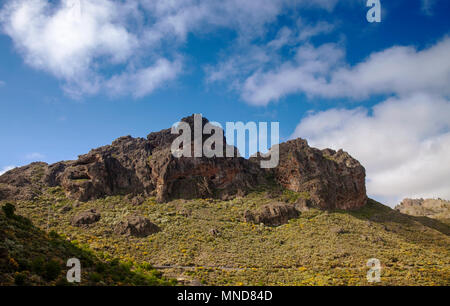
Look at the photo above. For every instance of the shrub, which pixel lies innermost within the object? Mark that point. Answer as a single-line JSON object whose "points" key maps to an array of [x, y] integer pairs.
{"points": [[37, 266], [19, 279], [9, 210], [100, 267], [53, 235], [95, 277], [52, 270]]}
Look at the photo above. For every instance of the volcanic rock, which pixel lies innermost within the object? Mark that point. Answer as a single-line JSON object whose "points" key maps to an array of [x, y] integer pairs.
{"points": [[274, 214], [136, 226], [332, 180], [432, 208], [86, 218], [142, 167]]}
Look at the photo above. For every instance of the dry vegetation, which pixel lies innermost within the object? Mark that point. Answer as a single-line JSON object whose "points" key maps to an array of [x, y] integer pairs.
{"points": [[318, 248]]}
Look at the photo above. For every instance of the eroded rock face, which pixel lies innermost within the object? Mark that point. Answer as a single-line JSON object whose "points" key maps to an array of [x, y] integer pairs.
{"points": [[202, 177], [23, 183], [274, 214], [432, 208], [136, 226], [333, 180], [120, 168], [85, 218], [146, 167]]}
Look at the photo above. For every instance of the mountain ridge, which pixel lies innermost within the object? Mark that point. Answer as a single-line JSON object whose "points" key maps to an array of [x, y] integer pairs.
{"points": [[147, 167]]}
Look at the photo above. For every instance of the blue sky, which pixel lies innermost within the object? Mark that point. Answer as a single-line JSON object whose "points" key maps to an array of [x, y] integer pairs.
{"points": [[75, 75]]}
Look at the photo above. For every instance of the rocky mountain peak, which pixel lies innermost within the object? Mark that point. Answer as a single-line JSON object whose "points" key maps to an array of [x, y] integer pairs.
{"points": [[146, 166]]}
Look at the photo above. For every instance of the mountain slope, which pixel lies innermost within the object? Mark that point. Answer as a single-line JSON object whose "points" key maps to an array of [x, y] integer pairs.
{"points": [[29, 256], [218, 221], [207, 240]]}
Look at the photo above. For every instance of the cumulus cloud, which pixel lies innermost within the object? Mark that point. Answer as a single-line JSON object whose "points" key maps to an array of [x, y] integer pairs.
{"points": [[144, 81], [322, 72], [66, 39], [404, 143], [93, 44], [6, 169], [306, 73], [246, 58]]}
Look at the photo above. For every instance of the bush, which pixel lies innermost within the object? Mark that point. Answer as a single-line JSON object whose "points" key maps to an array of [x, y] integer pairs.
{"points": [[19, 279], [53, 234], [95, 277], [52, 270], [37, 266], [62, 282], [9, 210]]}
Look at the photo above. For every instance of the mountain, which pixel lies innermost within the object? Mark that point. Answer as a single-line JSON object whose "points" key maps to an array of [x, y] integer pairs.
{"points": [[432, 208], [147, 167], [218, 221]]}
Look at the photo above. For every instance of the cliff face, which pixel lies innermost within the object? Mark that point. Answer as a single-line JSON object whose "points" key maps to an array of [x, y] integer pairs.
{"points": [[139, 166], [333, 180], [432, 208]]}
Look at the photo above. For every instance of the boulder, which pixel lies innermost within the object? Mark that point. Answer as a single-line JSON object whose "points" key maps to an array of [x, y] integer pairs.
{"points": [[302, 205], [85, 218], [136, 226], [214, 232], [274, 214]]}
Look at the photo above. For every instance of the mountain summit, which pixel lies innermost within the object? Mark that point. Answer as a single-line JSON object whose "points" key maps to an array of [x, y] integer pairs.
{"points": [[147, 167]]}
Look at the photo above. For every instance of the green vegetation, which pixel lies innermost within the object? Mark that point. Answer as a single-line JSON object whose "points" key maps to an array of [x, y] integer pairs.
{"points": [[318, 248], [292, 196], [31, 257]]}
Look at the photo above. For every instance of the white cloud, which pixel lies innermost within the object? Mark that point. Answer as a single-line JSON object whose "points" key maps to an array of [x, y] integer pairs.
{"points": [[35, 156], [304, 74], [67, 40], [2, 83], [322, 72], [6, 169], [404, 144], [91, 44], [144, 81], [246, 58]]}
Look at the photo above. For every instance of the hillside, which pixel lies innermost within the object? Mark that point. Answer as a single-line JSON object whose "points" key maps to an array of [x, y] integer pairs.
{"points": [[30, 256], [214, 221], [207, 241]]}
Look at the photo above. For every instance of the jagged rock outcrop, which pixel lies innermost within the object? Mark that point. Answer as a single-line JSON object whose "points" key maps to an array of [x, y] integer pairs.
{"points": [[136, 226], [141, 167], [273, 214], [202, 177], [432, 208], [85, 218], [332, 180], [24, 183]]}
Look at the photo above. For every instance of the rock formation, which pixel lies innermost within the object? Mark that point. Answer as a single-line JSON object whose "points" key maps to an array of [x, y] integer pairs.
{"points": [[274, 214], [136, 226], [146, 167], [85, 218], [432, 208], [332, 180]]}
